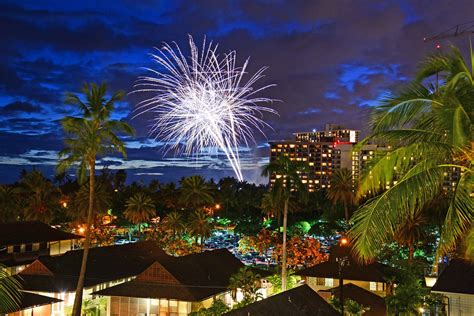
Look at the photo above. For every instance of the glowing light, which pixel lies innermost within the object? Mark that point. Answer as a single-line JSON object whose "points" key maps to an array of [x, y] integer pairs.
{"points": [[81, 230], [344, 241], [64, 204], [204, 101], [438, 46], [217, 206]]}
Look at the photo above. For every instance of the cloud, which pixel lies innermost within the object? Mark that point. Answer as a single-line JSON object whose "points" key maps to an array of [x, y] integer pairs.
{"points": [[19, 107]]}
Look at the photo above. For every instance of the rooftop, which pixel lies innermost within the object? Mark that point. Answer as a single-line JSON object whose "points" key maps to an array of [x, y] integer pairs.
{"points": [[30, 300], [191, 278], [60, 273], [457, 277], [362, 296], [31, 232], [301, 301]]}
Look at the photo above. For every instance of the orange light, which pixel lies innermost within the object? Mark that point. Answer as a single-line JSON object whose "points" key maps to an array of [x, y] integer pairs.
{"points": [[218, 206], [344, 241], [81, 230], [64, 204]]}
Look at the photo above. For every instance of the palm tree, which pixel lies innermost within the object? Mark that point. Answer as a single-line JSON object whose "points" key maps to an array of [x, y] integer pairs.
{"points": [[91, 135], [195, 192], [139, 208], [272, 203], [80, 203], [10, 295], [174, 222], [200, 226], [288, 182], [248, 282], [342, 190], [410, 232], [40, 196], [9, 201], [168, 195], [430, 133]]}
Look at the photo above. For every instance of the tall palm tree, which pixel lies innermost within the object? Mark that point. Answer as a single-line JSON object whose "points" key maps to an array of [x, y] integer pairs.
{"points": [[200, 226], [288, 181], [139, 208], [10, 295], [342, 190], [40, 197], [272, 203], [86, 137], [430, 132], [195, 192], [174, 222]]}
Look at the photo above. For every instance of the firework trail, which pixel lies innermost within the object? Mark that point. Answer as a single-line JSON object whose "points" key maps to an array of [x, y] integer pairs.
{"points": [[203, 101]]}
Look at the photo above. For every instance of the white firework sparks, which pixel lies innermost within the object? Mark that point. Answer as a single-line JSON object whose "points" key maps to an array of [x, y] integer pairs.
{"points": [[203, 101]]}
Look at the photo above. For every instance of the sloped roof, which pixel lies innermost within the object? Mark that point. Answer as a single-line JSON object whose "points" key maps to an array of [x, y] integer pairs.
{"points": [[362, 296], [354, 270], [104, 264], [144, 289], [30, 300], [457, 277], [199, 275], [31, 232], [301, 301]]}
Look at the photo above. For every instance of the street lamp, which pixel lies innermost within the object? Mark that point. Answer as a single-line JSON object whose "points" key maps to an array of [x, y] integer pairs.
{"points": [[341, 263]]}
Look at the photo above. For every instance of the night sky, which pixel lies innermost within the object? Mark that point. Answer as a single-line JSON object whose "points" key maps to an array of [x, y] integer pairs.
{"points": [[331, 61]]}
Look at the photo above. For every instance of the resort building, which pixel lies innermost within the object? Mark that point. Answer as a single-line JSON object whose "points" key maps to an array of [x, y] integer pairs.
{"points": [[324, 152], [324, 276], [301, 301], [456, 284], [22, 242], [135, 279]]}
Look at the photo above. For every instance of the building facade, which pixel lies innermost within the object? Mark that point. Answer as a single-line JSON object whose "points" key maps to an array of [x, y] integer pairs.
{"points": [[324, 152], [23, 242]]}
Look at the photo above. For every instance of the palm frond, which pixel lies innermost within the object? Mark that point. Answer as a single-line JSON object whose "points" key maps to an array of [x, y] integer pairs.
{"points": [[375, 222], [10, 294], [460, 213]]}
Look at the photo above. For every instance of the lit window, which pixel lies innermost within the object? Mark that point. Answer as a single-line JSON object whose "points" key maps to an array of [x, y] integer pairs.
{"points": [[373, 286], [328, 282]]}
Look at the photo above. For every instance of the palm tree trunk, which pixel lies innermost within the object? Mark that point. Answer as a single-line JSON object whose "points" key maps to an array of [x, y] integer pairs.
{"points": [[283, 259], [76, 311], [346, 212], [411, 252]]}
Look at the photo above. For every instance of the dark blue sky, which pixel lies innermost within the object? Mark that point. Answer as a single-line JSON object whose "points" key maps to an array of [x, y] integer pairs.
{"points": [[331, 61]]}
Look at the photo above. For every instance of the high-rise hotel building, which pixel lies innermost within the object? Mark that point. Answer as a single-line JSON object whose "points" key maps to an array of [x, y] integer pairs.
{"points": [[324, 151]]}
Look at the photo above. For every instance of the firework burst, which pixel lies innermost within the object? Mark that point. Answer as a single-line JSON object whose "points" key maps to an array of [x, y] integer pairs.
{"points": [[203, 101]]}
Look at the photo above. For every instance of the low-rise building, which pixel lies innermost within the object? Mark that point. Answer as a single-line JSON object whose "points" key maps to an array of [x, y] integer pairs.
{"points": [[22, 242], [176, 285], [135, 279], [456, 284], [323, 276]]}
